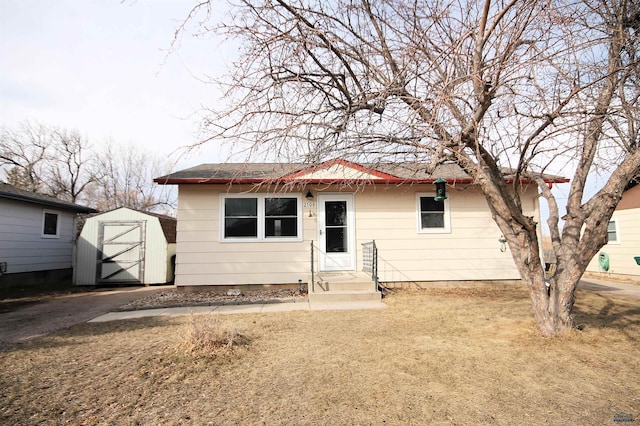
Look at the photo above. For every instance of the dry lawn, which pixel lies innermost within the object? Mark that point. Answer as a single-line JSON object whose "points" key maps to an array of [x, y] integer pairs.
{"points": [[444, 356]]}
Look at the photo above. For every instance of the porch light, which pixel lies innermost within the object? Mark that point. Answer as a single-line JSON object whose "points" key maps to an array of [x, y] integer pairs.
{"points": [[309, 195], [441, 190]]}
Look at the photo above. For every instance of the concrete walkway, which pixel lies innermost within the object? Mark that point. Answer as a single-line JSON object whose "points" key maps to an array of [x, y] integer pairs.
{"points": [[240, 309], [613, 288], [595, 285]]}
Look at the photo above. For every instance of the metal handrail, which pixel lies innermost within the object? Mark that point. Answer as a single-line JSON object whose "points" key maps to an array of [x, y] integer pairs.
{"points": [[370, 261], [313, 286]]}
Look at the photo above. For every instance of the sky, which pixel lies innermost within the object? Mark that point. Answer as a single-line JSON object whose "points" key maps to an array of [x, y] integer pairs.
{"points": [[103, 67]]}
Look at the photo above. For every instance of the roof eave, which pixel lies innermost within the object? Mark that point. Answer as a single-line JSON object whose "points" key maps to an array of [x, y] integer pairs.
{"points": [[62, 206], [254, 181]]}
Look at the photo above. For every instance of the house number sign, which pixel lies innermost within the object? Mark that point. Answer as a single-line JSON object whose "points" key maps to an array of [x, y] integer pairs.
{"points": [[309, 204]]}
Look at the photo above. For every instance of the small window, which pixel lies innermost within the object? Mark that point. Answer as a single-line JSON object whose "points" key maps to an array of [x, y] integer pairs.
{"points": [[49, 224], [612, 231], [433, 216]]}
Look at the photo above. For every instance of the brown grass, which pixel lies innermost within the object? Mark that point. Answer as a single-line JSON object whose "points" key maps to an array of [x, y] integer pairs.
{"points": [[444, 356]]}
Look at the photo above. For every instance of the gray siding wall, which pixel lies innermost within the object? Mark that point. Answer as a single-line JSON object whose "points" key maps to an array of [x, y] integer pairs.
{"points": [[22, 245]]}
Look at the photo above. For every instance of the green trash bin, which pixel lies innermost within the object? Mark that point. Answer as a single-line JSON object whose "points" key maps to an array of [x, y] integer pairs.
{"points": [[637, 258]]}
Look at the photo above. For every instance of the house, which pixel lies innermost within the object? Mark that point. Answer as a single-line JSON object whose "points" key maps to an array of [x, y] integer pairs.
{"points": [[125, 246], [620, 257], [36, 236], [274, 224]]}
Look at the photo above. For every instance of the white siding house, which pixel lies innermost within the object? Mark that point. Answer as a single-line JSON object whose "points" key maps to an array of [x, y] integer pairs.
{"points": [[36, 235], [621, 254], [256, 224], [125, 246]]}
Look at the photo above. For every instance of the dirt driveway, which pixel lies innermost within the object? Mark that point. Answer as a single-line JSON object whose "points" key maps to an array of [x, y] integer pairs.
{"points": [[60, 312]]}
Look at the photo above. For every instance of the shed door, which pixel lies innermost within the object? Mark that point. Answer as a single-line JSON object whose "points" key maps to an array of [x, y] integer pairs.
{"points": [[121, 252]]}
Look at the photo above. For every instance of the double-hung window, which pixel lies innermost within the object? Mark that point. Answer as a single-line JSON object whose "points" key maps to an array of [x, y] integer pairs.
{"points": [[612, 232], [261, 217], [433, 215]]}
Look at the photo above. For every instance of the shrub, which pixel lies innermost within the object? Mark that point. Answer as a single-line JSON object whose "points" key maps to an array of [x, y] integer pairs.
{"points": [[209, 335]]}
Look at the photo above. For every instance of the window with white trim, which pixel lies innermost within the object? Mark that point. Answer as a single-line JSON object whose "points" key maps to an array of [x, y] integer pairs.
{"points": [[433, 216], [261, 217], [50, 224], [612, 231]]}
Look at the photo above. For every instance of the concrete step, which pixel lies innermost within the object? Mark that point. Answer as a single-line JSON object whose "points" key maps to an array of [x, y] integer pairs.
{"points": [[344, 286], [343, 281], [344, 296]]}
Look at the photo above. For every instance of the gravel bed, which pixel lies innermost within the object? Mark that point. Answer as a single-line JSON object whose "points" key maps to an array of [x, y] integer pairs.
{"points": [[175, 298]]}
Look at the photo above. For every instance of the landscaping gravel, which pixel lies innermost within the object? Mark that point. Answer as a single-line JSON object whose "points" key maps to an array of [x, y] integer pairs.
{"points": [[175, 298]]}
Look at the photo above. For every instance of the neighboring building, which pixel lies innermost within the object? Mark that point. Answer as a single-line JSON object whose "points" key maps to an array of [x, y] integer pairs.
{"points": [[126, 246], [243, 224], [36, 236], [620, 257]]}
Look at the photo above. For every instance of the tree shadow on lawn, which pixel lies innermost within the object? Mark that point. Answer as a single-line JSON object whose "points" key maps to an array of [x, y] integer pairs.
{"points": [[80, 334], [603, 311]]}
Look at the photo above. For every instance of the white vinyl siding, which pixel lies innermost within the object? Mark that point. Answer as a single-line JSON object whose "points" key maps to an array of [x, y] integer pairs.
{"points": [[387, 214], [205, 258], [625, 248], [470, 251]]}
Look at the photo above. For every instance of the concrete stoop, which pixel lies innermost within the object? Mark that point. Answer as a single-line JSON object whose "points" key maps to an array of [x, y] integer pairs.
{"points": [[344, 296], [343, 287]]}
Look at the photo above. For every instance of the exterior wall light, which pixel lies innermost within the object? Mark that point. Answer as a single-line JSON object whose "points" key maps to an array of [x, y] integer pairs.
{"points": [[309, 195], [441, 190]]}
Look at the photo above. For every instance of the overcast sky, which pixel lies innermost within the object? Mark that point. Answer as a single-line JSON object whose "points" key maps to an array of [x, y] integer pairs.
{"points": [[101, 67]]}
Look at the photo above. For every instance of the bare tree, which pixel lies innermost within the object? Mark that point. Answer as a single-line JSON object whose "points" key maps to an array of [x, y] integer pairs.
{"points": [[47, 160], [126, 180], [509, 90], [72, 168], [64, 164], [24, 153]]}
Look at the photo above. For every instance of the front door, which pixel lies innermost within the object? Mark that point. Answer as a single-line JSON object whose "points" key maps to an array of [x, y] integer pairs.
{"points": [[336, 229]]}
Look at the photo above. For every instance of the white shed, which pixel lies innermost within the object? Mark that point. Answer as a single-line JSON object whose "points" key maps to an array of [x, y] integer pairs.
{"points": [[125, 246]]}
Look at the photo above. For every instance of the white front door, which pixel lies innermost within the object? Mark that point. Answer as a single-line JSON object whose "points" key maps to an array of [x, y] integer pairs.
{"points": [[336, 229]]}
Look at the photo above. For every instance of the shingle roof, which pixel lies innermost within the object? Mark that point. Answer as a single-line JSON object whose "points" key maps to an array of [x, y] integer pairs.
{"points": [[168, 225], [14, 193], [288, 172]]}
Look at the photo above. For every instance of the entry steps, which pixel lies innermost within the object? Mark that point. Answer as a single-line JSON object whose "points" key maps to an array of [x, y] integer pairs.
{"points": [[343, 287]]}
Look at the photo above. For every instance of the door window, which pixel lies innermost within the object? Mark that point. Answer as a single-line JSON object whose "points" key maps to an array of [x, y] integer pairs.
{"points": [[336, 226]]}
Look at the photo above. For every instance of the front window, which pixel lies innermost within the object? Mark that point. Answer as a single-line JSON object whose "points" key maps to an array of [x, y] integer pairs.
{"points": [[261, 217], [50, 224], [433, 216], [241, 218], [281, 217]]}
